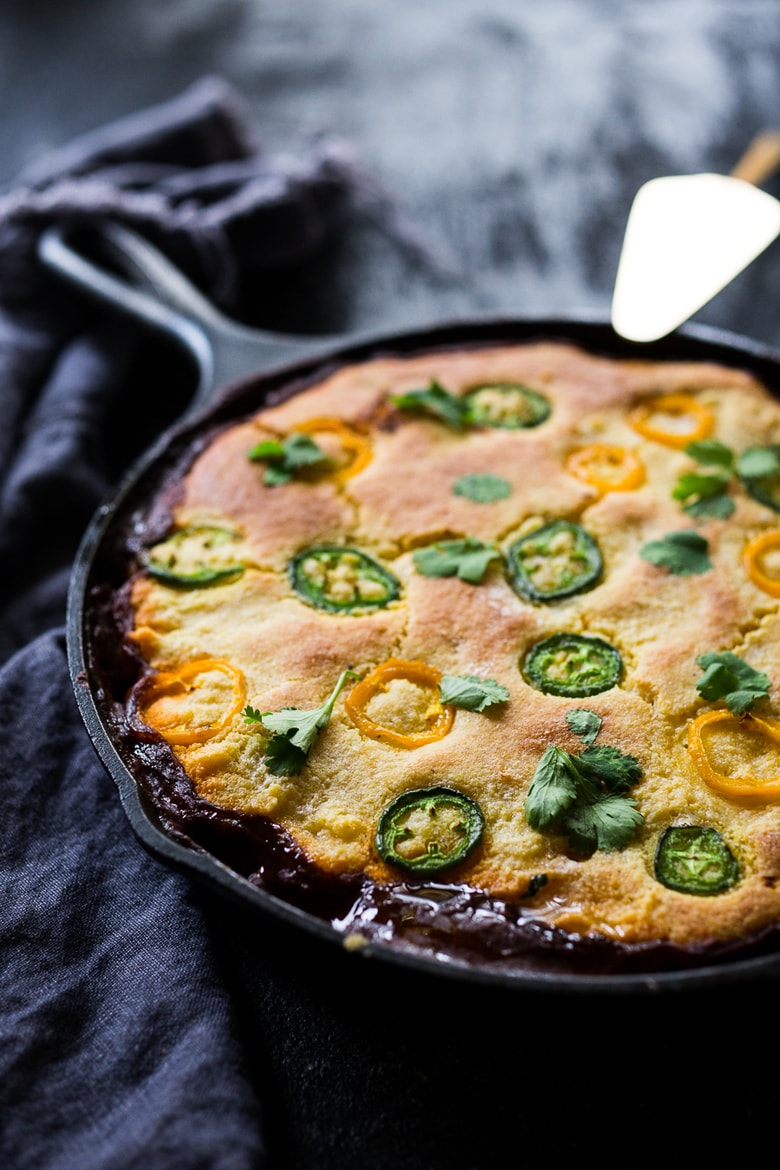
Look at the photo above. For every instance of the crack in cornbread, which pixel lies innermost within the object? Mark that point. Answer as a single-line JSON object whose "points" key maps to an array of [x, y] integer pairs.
{"points": [[401, 498]]}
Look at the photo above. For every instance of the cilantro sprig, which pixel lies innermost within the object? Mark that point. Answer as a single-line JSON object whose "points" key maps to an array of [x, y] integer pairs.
{"points": [[482, 488], [728, 677], [711, 452], [295, 731], [466, 558], [707, 493], [759, 471], [704, 494], [584, 796], [584, 723], [287, 456], [684, 554], [470, 692], [436, 402], [758, 463]]}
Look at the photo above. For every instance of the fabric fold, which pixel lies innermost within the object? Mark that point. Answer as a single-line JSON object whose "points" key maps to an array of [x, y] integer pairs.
{"points": [[189, 177], [119, 1042]]}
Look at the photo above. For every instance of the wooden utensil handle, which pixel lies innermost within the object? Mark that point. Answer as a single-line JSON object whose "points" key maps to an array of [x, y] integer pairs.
{"points": [[761, 158]]}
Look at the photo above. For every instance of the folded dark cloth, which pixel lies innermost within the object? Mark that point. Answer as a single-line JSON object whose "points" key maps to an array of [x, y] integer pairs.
{"points": [[187, 175], [119, 1044]]}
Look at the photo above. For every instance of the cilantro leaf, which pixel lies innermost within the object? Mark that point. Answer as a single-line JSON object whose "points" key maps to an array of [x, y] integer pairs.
{"points": [[301, 728], [694, 484], [720, 506], [606, 822], [482, 489], [553, 790], [286, 457], [267, 449], [301, 451], [707, 495], [467, 559], [584, 723], [470, 692], [294, 730], [711, 451], [758, 463], [704, 495], [682, 553], [584, 796], [276, 475], [728, 677], [283, 758], [435, 401], [616, 770]]}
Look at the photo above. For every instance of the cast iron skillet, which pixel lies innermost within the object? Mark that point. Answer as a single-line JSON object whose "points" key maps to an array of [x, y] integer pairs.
{"points": [[237, 370]]}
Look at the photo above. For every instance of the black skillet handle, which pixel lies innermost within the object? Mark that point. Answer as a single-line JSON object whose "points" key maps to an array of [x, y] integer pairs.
{"points": [[153, 291]]}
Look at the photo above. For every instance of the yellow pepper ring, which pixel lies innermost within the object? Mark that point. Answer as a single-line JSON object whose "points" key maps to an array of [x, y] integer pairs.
{"points": [[169, 682], [356, 447], [679, 407], [375, 683], [753, 555], [751, 786], [607, 467]]}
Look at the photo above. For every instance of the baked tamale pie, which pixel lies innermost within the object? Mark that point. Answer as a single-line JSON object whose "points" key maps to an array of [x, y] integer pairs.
{"points": [[475, 650]]}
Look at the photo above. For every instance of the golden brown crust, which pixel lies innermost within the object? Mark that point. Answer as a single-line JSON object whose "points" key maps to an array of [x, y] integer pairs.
{"points": [[291, 653]]}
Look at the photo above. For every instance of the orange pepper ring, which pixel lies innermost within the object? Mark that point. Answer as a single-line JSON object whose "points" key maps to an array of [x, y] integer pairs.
{"points": [[732, 786], [354, 444], [679, 405], [580, 462], [364, 691], [158, 684], [754, 550]]}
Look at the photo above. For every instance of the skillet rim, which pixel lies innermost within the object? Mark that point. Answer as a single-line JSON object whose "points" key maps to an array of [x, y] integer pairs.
{"points": [[593, 333]]}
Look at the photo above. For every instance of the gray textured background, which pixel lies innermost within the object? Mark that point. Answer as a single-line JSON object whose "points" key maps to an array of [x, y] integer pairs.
{"points": [[511, 135]]}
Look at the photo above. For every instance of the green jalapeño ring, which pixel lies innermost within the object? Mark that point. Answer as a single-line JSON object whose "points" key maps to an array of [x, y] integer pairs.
{"points": [[342, 580], [429, 830], [554, 561], [505, 405], [694, 860], [573, 665], [195, 557]]}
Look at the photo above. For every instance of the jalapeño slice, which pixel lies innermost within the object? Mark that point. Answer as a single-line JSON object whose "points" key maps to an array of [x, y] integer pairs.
{"points": [[194, 557], [342, 580], [555, 561], [573, 665], [764, 488], [428, 830], [694, 860], [508, 405]]}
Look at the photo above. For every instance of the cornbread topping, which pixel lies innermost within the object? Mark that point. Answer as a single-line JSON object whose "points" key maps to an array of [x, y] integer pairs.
{"points": [[487, 629]]}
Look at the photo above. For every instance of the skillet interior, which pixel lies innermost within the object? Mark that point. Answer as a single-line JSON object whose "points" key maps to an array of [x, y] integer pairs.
{"points": [[217, 848]]}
